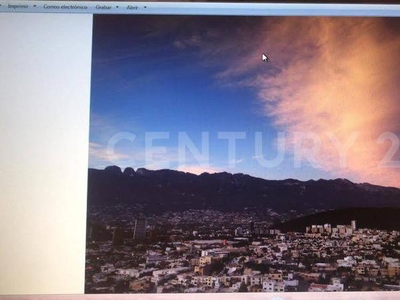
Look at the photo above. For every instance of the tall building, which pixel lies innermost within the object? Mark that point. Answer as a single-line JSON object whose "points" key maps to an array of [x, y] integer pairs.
{"points": [[353, 225], [139, 231]]}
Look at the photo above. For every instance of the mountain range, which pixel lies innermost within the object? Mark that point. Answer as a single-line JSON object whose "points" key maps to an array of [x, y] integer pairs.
{"points": [[169, 190]]}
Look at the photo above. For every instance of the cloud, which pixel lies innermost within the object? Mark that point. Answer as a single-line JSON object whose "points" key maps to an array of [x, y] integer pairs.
{"points": [[331, 83], [197, 169], [335, 79], [99, 156], [234, 162]]}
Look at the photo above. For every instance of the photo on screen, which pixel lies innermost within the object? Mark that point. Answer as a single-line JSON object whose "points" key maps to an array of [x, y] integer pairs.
{"points": [[243, 154]]}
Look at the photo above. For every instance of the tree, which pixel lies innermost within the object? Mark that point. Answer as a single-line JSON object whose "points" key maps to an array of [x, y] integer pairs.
{"points": [[217, 267], [121, 287], [243, 288]]}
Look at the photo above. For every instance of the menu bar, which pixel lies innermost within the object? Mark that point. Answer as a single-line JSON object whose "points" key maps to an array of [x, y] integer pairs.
{"points": [[199, 8]]}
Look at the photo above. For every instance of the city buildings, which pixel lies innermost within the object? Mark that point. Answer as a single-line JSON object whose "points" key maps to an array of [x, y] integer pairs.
{"points": [[328, 229], [201, 251]]}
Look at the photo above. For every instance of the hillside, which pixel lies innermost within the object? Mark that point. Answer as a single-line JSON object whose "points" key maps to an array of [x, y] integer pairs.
{"points": [[384, 218]]}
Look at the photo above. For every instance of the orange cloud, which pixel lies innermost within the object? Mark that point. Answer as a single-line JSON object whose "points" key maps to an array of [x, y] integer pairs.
{"points": [[337, 78], [339, 82]]}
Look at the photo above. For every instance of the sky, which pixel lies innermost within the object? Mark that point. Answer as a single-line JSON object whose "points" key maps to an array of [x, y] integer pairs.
{"points": [[191, 93]]}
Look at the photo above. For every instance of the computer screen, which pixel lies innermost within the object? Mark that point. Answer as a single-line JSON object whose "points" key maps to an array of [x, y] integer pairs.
{"points": [[244, 149]]}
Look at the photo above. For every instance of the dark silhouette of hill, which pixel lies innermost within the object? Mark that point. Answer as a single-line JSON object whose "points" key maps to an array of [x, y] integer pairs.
{"points": [[384, 218], [169, 190]]}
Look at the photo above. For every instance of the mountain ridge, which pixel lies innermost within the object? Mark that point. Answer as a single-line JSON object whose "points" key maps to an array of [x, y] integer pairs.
{"points": [[160, 190]]}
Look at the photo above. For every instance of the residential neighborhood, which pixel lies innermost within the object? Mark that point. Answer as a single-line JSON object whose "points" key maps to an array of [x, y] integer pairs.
{"points": [[251, 257]]}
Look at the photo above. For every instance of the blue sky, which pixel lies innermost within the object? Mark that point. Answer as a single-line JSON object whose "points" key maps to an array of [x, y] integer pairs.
{"points": [[204, 75]]}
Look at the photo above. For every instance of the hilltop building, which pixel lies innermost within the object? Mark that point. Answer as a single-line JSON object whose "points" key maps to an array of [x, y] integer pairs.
{"points": [[328, 229]]}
